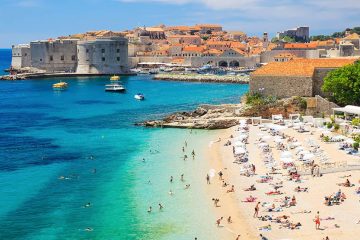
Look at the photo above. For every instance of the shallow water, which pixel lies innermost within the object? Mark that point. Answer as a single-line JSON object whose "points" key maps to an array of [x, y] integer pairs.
{"points": [[47, 134]]}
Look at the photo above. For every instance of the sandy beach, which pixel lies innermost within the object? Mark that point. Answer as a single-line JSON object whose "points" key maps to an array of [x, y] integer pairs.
{"points": [[337, 221]]}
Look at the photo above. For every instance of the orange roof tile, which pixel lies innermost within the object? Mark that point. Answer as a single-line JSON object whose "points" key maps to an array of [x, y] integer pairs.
{"points": [[301, 67], [353, 36], [193, 49], [300, 45]]}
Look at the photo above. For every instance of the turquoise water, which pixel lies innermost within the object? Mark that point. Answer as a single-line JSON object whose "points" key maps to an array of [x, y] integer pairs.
{"points": [[47, 134]]}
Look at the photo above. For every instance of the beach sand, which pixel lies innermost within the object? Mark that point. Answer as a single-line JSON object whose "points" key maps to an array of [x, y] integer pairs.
{"points": [[346, 215]]}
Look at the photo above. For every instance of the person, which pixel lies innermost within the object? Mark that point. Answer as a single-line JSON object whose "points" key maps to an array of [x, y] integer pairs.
{"points": [[185, 157], [183, 149], [347, 183], [89, 229], [182, 177], [253, 168], [193, 154], [256, 212], [207, 178], [187, 186], [171, 192], [87, 205], [317, 221], [238, 237], [160, 206], [229, 220], [150, 209], [263, 237], [220, 175], [293, 201], [185, 143], [143, 159], [219, 221], [232, 189], [171, 179]]}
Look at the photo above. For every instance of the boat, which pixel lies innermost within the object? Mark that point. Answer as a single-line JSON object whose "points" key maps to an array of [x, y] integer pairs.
{"points": [[114, 88], [139, 96], [60, 86], [114, 78], [154, 71]]}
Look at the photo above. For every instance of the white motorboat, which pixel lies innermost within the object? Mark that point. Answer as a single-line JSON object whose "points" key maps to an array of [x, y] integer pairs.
{"points": [[114, 88], [139, 96]]}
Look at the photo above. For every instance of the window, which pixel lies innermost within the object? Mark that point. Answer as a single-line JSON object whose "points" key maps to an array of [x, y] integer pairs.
{"points": [[118, 50], [73, 57], [62, 58], [51, 58], [40, 59], [87, 50], [118, 59], [103, 59], [103, 50], [25, 54]]}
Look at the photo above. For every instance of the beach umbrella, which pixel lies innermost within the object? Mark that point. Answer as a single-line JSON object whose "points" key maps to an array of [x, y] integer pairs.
{"points": [[303, 152], [308, 156], [212, 172], [285, 154], [287, 160], [240, 150]]}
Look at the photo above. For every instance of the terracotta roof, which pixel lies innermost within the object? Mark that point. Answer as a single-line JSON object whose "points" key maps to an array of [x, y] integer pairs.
{"points": [[353, 36], [301, 67], [238, 51], [183, 36], [300, 45], [208, 25], [238, 45], [193, 49], [213, 51]]}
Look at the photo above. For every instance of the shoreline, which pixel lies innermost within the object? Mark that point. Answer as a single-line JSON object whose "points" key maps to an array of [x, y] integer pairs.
{"points": [[25, 76], [202, 78]]}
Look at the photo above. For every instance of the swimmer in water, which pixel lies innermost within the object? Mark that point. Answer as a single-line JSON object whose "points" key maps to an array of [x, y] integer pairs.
{"points": [[171, 192], [160, 206], [149, 210], [187, 186], [171, 179], [182, 177], [89, 229], [87, 205], [143, 159]]}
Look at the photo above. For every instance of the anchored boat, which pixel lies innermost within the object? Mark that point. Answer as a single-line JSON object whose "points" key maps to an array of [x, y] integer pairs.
{"points": [[60, 86], [114, 78], [139, 96], [114, 88]]}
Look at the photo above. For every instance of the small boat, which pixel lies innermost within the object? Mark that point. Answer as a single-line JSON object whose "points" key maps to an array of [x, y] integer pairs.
{"points": [[114, 78], [139, 96], [114, 88], [154, 71], [60, 86]]}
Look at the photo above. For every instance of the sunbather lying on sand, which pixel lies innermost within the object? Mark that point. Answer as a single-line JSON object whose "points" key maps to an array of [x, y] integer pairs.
{"points": [[251, 188], [346, 184], [250, 199], [274, 193], [299, 189]]}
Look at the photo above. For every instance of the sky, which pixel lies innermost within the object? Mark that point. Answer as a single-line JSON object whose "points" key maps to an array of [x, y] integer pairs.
{"points": [[22, 21]]}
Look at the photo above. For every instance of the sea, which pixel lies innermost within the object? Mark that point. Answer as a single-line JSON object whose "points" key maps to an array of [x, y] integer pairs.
{"points": [[74, 166]]}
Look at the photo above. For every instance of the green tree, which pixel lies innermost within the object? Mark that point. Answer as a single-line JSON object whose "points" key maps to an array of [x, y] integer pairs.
{"points": [[320, 38], [344, 84], [274, 40], [288, 39]]}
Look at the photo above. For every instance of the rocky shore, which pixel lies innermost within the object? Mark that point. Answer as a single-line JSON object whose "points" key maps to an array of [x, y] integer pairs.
{"points": [[226, 115], [202, 78]]}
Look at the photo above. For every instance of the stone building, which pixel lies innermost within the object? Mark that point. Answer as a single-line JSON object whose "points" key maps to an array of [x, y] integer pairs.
{"points": [[209, 28], [298, 77], [299, 34], [106, 55], [184, 39], [102, 56], [21, 56], [57, 55]]}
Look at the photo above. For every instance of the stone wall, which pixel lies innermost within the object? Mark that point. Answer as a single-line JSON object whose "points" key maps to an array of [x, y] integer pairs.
{"points": [[321, 106], [243, 61], [318, 80], [268, 56], [281, 86], [54, 56], [103, 56], [21, 56]]}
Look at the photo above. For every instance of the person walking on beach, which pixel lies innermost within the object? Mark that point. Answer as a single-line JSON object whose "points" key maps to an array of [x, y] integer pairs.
{"points": [[219, 221], [229, 220], [262, 237], [238, 237], [256, 212], [220, 175], [317, 221], [207, 179]]}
